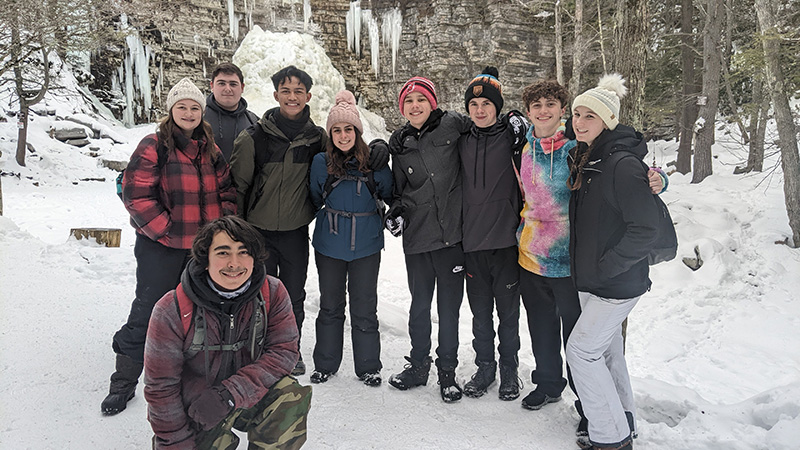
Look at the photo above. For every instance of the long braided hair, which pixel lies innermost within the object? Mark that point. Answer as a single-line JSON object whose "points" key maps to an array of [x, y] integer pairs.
{"points": [[581, 157]]}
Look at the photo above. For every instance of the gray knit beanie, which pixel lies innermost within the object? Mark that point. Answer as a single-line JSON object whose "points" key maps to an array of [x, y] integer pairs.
{"points": [[185, 90]]}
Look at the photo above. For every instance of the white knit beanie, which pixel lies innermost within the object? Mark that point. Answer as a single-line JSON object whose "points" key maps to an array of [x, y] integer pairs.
{"points": [[185, 90], [344, 111], [604, 99]]}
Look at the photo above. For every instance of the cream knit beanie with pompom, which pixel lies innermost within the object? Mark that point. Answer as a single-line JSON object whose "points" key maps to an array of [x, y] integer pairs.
{"points": [[604, 99]]}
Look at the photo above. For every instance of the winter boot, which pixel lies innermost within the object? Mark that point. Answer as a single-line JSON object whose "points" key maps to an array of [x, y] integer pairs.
{"points": [[585, 444], [537, 399], [483, 378], [300, 367], [448, 387], [123, 385], [371, 378], [510, 383], [321, 376], [414, 374]]}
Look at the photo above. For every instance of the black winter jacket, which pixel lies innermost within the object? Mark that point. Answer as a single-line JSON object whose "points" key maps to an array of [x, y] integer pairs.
{"points": [[427, 181], [492, 200], [226, 125], [612, 232]]}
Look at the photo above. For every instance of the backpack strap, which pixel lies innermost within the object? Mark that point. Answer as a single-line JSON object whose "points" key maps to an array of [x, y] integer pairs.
{"points": [[333, 214]]}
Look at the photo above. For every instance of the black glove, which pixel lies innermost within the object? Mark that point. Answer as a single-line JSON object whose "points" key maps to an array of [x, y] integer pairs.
{"points": [[378, 154], [518, 125], [395, 225], [211, 407], [569, 133]]}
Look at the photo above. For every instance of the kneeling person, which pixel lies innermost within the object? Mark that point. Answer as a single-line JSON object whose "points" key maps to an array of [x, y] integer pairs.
{"points": [[220, 348]]}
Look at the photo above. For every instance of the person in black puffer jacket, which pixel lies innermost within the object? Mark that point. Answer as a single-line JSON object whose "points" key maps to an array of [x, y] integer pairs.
{"points": [[613, 224]]}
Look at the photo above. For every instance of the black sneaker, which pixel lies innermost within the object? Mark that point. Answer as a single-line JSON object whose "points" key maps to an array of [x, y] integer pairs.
{"points": [[414, 374], [321, 376], [448, 387], [299, 368], [483, 378], [537, 399], [371, 378], [510, 384]]}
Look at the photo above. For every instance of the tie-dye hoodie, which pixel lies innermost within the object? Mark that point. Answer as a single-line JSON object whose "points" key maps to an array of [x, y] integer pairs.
{"points": [[543, 234]]}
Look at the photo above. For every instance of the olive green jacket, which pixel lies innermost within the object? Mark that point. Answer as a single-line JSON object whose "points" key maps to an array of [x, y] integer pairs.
{"points": [[271, 174]]}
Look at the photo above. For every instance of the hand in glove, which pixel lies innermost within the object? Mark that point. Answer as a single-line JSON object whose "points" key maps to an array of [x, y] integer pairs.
{"points": [[518, 125], [395, 225], [378, 154], [211, 407]]}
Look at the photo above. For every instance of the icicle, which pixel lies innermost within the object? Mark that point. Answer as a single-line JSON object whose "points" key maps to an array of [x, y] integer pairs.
{"points": [[353, 21], [392, 30], [233, 28], [205, 71], [306, 14], [374, 38]]}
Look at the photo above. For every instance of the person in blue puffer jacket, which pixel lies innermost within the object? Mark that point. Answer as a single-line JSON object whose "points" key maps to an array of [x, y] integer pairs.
{"points": [[348, 238]]}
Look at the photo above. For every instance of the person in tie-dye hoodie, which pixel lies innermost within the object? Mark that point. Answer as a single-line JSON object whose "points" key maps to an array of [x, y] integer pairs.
{"points": [[548, 293]]}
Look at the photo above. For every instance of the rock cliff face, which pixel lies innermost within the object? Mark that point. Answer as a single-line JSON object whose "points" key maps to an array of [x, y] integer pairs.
{"points": [[448, 41]]}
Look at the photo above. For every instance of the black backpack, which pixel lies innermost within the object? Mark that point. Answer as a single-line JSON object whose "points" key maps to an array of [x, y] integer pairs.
{"points": [[666, 246], [161, 152]]}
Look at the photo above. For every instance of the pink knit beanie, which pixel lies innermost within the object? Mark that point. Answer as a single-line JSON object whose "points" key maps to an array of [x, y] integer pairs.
{"points": [[344, 111]]}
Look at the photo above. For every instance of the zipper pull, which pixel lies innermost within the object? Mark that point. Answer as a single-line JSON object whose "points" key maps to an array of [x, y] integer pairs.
{"points": [[231, 319]]}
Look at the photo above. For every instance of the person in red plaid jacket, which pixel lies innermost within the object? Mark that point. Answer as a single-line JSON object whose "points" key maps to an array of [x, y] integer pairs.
{"points": [[175, 182]]}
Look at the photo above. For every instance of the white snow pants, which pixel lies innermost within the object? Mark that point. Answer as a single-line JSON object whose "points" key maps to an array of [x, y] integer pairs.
{"points": [[595, 356]]}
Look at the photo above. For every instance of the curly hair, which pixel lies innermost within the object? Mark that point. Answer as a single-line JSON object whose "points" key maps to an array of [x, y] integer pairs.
{"points": [[238, 229], [545, 89], [338, 158]]}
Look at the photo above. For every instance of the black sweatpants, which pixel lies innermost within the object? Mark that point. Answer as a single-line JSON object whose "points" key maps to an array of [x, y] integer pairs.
{"points": [[288, 260], [442, 269], [493, 280], [553, 309], [158, 271], [360, 279]]}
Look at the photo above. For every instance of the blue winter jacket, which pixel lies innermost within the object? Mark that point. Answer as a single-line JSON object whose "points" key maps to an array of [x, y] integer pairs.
{"points": [[333, 231]]}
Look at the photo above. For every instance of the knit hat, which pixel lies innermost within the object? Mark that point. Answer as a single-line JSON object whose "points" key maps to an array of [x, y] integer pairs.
{"points": [[485, 85], [418, 84], [604, 99], [185, 90], [344, 111]]}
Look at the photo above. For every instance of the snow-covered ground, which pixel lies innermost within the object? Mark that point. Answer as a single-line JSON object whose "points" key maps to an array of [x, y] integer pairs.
{"points": [[714, 354]]}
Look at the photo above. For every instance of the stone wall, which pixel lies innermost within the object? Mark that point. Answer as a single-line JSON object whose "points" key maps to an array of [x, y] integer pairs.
{"points": [[448, 41]]}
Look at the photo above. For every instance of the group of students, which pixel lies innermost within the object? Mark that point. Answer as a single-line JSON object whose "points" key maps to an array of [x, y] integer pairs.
{"points": [[484, 197]]}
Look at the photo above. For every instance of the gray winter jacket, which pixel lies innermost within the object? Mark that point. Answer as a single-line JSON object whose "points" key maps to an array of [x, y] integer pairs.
{"points": [[226, 125], [427, 181]]}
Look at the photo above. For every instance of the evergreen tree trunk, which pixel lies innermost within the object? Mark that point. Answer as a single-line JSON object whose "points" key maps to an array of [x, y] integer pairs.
{"points": [[758, 126], [708, 108], [689, 110], [787, 132], [630, 54]]}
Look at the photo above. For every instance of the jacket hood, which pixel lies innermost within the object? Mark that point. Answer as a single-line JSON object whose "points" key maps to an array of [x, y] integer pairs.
{"points": [[269, 122], [212, 103], [621, 138], [195, 281]]}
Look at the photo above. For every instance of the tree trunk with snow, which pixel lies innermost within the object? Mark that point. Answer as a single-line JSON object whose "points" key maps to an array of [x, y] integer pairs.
{"points": [[578, 52], [710, 95], [689, 91], [559, 46], [787, 132], [630, 54], [758, 126]]}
